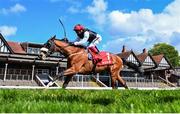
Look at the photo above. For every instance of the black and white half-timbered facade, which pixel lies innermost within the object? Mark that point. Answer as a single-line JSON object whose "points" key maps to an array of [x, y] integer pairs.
{"points": [[130, 57], [147, 62], [3, 45], [155, 67]]}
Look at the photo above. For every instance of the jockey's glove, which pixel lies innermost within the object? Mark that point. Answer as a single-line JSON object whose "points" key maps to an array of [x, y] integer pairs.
{"points": [[75, 43], [71, 43]]}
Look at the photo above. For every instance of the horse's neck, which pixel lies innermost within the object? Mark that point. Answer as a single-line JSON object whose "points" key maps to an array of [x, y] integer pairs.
{"points": [[68, 49], [72, 50]]}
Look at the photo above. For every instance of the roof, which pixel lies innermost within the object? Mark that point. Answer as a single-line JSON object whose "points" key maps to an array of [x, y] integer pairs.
{"points": [[127, 54], [16, 47], [124, 55], [158, 58], [142, 57], [16, 58]]}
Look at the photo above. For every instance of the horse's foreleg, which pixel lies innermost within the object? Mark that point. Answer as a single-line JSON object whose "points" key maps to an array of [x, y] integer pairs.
{"points": [[54, 79], [69, 74], [60, 75], [67, 80]]}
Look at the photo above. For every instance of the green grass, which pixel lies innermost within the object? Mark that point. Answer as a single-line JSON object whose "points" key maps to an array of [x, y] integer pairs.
{"points": [[53, 101]]}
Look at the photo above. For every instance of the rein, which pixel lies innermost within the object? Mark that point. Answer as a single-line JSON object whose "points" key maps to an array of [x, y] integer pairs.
{"points": [[81, 52]]}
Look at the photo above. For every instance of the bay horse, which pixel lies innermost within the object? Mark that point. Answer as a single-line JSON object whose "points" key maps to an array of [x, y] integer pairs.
{"points": [[77, 61]]}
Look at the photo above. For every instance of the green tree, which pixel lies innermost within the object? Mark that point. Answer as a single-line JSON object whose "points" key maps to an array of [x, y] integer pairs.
{"points": [[169, 51]]}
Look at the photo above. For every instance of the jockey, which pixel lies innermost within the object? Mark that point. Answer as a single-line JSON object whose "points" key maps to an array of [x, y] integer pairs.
{"points": [[87, 36]]}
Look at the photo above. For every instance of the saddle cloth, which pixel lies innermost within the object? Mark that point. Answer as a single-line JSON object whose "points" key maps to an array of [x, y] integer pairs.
{"points": [[102, 58]]}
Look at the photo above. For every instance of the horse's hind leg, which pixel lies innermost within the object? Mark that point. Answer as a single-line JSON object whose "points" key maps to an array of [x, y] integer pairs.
{"points": [[115, 74], [119, 78], [113, 81], [116, 71]]}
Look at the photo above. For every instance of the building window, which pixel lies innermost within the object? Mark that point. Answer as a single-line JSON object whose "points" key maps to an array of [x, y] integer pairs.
{"points": [[56, 54], [42, 71], [32, 50]]}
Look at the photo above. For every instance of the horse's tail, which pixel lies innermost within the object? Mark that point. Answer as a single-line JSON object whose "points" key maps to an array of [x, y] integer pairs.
{"points": [[133, 66]]}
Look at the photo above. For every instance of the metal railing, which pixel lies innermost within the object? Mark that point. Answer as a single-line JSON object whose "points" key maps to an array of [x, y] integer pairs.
{"points": [[88, 80], [44, 79], [136, 82], [17, 77], [81, 81]]}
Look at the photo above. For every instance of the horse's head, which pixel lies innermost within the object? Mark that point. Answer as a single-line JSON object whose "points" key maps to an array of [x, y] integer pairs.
{"points": [[50, 47]]}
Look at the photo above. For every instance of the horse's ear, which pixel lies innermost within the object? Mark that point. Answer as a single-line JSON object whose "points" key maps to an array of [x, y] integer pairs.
{"points": [[66, 39], [54, 36]]}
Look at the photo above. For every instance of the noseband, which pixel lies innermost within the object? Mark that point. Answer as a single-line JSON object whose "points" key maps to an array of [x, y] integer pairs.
{"points": [[51, 46]]}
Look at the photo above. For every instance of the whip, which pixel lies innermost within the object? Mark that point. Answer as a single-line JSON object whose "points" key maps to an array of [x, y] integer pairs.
{"points": [[63, 28]]}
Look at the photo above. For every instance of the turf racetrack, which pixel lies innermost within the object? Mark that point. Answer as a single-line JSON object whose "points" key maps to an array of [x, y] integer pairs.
{"points": [[91, 101]]}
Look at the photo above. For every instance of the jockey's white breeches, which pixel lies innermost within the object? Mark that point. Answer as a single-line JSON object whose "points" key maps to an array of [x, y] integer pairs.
{"points": [[96, 41]]}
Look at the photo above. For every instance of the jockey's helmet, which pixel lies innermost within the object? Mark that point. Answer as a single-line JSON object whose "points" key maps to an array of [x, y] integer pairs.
{"points": [[78, 27]]}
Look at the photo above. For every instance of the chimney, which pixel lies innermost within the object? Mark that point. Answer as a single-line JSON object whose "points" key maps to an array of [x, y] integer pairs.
{"points": [[144, 50], [123, 49]]}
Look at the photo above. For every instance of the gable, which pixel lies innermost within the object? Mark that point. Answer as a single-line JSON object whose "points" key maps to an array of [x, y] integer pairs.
{"points": [[4, 48], [148, 61], [132, 59], [164, 63]]}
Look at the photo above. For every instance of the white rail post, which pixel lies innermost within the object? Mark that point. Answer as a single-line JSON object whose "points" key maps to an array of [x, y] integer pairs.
{"points": [[136, 79], [57, 70], [97, 76], [5, 72], [109, 81], [152, 77], [82, 81], [78, 78], [33, 66]]}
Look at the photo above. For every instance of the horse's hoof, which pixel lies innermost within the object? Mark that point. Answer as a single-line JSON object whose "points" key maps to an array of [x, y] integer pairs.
{"points": [[50, 84]]}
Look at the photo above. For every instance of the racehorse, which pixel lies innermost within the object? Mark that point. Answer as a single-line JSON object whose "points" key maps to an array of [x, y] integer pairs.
{"points": [[78, 61]]}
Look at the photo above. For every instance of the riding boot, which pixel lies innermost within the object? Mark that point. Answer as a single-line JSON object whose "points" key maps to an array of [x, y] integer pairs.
{"points": [[93, 49], [95, 52]]}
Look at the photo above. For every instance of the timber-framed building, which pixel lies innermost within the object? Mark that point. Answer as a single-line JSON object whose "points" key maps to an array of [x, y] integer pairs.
{"points": [[20, 66]]}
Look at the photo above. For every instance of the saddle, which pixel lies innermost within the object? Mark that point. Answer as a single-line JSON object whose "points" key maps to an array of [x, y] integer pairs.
{"points": [[102, 58]]}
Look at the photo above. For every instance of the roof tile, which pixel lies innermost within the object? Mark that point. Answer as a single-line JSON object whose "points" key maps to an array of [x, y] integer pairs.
{"points": [[158, 58], [124, 55], [142, 57], [16, 47]]}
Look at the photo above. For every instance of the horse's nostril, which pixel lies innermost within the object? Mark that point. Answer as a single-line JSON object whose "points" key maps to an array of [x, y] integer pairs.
{"points": [[40, 56]]}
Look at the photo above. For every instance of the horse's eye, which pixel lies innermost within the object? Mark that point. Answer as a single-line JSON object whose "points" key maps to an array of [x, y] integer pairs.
{"points": [[47, 45]]}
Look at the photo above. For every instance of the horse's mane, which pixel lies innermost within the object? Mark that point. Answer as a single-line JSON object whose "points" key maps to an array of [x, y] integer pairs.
{"points": [[70, 43]]}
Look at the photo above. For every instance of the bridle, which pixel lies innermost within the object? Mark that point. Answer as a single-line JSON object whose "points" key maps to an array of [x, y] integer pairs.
{"points": [[51, 45]]}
